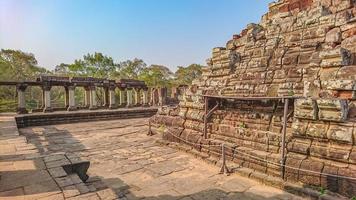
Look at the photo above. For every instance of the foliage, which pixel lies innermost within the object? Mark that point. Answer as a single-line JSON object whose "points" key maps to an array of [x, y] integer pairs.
{"points": [[322, 191], [185, 75], [130, 69], [156, 75], [94, 65], [17, 65], [7, 105]]}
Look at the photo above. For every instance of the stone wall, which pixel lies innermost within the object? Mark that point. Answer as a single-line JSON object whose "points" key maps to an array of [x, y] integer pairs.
{"points": [[303, 48], [41, 119]]}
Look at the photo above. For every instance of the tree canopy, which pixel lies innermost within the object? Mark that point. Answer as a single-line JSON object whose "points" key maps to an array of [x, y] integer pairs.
{"points": [[102, 66], [156, 75], [94, 65], [18, 65], [185, 75]]}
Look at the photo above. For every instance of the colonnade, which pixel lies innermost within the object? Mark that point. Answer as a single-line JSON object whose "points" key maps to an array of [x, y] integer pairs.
{"points": [[131, 93], [128, 97]]}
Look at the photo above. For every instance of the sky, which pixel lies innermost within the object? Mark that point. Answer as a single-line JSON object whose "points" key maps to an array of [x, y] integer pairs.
{"points": [[166, 32]]}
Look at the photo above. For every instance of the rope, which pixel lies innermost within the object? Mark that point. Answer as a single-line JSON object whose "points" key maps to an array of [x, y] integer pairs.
{"points": [[193, 144], [260, 159]]}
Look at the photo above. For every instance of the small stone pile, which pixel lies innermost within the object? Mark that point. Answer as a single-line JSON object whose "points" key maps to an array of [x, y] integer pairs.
{"points": [[303, 48]]}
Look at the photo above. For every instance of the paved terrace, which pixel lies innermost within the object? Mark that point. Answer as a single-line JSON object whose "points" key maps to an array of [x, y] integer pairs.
{"points": [[124, 164]]}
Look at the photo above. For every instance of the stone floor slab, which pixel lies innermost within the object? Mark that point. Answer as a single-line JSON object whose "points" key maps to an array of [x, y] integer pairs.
{"points": [[125, 163]]}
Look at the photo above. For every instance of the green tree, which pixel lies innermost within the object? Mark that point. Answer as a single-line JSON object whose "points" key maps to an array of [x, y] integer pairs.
{"points": [[18, 65], [61, 69], [99, 65], [93, 65], [156, 75], [130, 69], [185, 75]]}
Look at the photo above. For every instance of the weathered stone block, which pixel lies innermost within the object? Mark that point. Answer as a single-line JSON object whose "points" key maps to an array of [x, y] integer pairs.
{"points": [[311, 178], [329, 73], [292, 174], [340, 133], [347, 187], [330, 182], [332, 109], [299, 146], [330, 151], [345, 94], [305, 108], [347, 72], [319, 149], [182, 112], [333, 36], [311, 88], [317, 129], [339, 84], [352, 158], [335, 57], [339, 152]]}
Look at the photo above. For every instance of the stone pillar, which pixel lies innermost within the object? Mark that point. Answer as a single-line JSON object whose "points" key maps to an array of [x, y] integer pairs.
{"points": [[122, 99], [92, 103], [163, 96], [145, 97], [112, 100], [137, 97], [43, 100], [21, 102], [129, 97], [66, 97], [71, 98], [47, 98], [87, 97], [106, 97], [160, 97], [174, 93], [153, 97]]}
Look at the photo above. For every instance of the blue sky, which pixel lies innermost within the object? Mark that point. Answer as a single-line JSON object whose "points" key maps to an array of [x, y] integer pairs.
{"points": [[168, 32]]}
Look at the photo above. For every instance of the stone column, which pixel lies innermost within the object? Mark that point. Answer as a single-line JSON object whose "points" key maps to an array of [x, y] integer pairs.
{"points": [[92, 103], [112, 103], [106, 97], [160, 97], [163, 96], [129, 97], [87, 97], [174, 93], [153, 99], [71, 98], [21, 102], [137, 97], [66, 97], [122, 99], [43, 100], [145, 97], [47, 98]]}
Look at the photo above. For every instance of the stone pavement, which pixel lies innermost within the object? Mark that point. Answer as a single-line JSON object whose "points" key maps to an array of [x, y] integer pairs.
{"points": [[124, 164]]}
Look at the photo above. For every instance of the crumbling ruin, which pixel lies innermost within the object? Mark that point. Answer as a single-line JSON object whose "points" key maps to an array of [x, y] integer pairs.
{"points": [[302, 51]]}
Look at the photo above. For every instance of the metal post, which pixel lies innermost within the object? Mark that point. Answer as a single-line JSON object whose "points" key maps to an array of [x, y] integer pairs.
{"points": [[150, 133], [284, 130], [224, 169], [206, 117]]}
